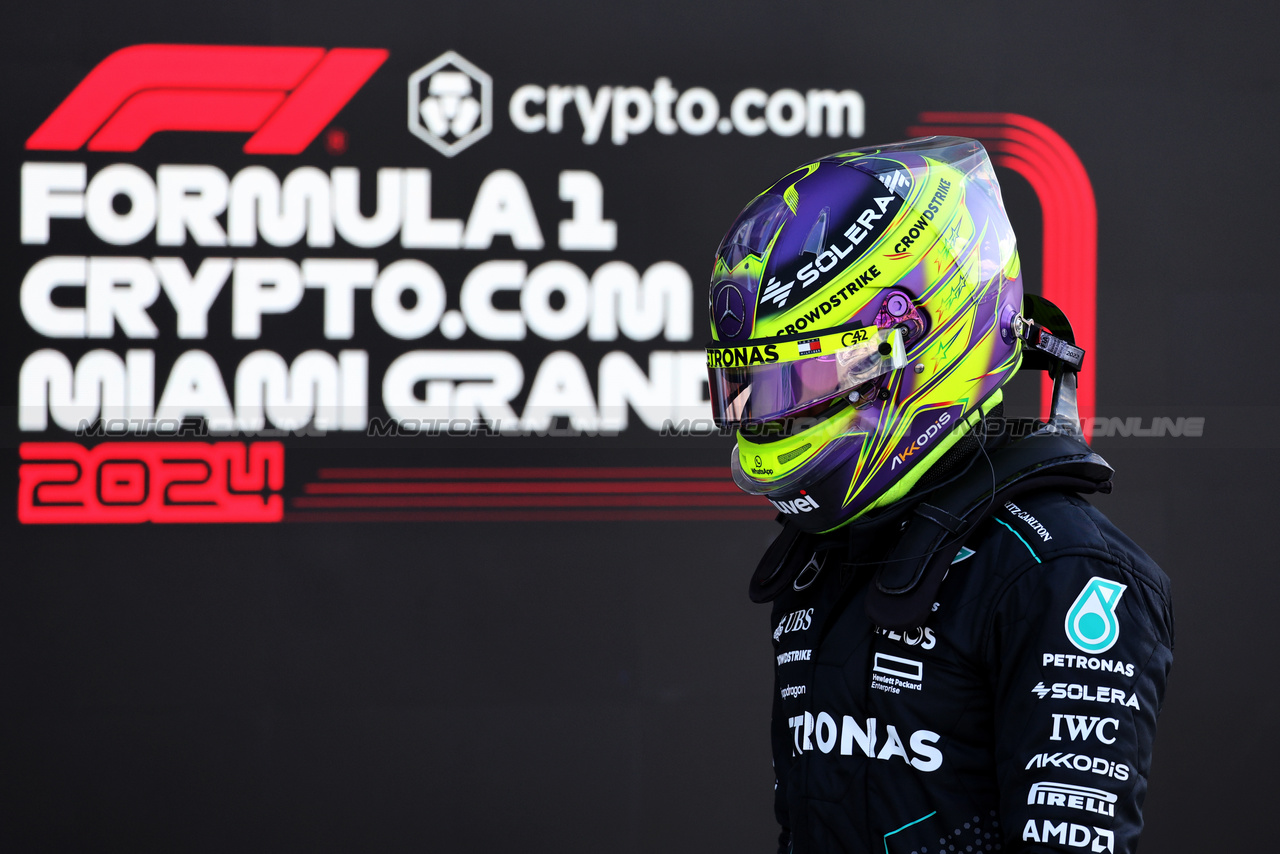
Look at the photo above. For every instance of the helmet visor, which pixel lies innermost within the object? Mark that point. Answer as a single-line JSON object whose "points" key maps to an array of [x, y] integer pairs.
{"points": [[768, 380]]}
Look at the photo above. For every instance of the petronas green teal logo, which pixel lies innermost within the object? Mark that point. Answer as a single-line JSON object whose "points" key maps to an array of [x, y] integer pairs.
{"points": [[1091, 621]]}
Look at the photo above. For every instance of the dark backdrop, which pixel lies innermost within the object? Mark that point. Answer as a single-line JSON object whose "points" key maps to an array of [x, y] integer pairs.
{"points": [[583, 680]]}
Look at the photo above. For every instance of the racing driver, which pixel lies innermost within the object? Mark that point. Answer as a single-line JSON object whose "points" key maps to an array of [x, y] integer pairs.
{"points": [[969, 656]]}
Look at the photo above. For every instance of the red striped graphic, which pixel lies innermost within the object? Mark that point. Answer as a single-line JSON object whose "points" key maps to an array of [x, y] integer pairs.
{"points": [[517, 500], [682, 515], [529, 493], [1070, 214], [526, 473], [286, 94], [580, 487]]}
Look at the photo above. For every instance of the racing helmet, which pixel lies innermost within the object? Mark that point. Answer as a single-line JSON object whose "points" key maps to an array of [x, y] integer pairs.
{"points": [[865, 312]]}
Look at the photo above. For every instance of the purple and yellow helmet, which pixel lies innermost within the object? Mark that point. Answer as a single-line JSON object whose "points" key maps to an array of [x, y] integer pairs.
{"points": [[862, 316]]}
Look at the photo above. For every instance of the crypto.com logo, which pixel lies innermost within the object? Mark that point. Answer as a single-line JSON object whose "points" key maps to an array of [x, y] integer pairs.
{"points": [[285, 95], [450, 103]]}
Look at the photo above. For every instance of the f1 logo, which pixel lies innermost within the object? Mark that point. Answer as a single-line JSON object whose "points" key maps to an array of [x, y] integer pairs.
{"points": [[286, 94]]}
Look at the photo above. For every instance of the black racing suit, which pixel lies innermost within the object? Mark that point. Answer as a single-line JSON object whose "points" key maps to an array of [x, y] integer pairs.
{"points": [[1019, 718]]}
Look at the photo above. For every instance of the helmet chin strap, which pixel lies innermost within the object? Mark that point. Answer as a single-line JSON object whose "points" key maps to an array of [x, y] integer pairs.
{"points": [[1049, 345], [1064, 415]]}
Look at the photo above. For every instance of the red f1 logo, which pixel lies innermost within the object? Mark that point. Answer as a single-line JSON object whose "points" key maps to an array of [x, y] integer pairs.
{"points": [[286, 94]]}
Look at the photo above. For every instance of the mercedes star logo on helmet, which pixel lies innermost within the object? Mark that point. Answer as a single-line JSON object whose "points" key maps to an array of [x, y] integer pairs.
{"points": [[731, 310]]}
